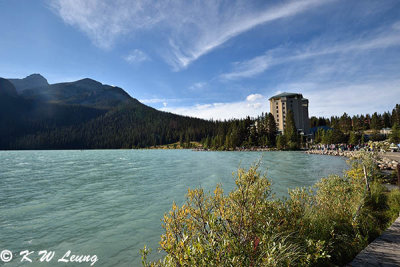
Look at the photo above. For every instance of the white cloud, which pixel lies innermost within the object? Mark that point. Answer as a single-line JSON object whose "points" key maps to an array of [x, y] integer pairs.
{"points": [[315, 49], [396, 25], [197, 86], [254, 97], [252, 106], [152, 100], [353, 97], [104, 21], [213, 29], [194, 27], [324, 100], [361, 98], [163, 101], [136, 56]]}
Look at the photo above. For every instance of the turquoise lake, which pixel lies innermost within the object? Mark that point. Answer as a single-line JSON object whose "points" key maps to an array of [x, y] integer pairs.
{"points": [[110, 202]]}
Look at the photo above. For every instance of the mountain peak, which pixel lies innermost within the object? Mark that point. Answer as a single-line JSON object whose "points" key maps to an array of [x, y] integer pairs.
{"points": [[32, 81], [37, 79], [6, 88], [88, 82], [35, 75]]}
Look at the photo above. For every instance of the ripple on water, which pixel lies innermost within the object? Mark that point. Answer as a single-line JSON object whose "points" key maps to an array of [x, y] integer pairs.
{"points": [[110, 202]]}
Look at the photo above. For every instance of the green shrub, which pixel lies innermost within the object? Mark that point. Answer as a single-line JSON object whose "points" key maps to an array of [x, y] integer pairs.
{"points": [[393, 200], [323, 225]]}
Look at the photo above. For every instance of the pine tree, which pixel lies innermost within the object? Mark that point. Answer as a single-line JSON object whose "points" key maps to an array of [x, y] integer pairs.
{"points": [[187, 140], [396, 115], [318, 135], [376, 123], [253, 136], [345, 123], [386, 120], [290, 132], [234, 137], [327, 137], [281, 142], [271, 129], [354, 138], [181, 140], [227, 143], [395, 134]]}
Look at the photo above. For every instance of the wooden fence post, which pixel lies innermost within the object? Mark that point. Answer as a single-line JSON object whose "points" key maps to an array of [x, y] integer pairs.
{"points": [[398, 174]]}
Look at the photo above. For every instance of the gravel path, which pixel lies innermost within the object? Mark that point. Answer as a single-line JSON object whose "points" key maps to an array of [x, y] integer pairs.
{"points": [[393, 156]]}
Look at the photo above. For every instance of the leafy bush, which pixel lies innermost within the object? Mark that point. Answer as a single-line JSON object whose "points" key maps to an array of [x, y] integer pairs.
{"points": [[326, 224]]}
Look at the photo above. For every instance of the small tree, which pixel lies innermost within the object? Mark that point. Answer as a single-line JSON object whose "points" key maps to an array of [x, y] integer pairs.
{"points": [[291, 135], [345, 123], [376, 122], [318, 135], [327, 137], [271, 130], [281, 142], [354, 138], [395, 134], [338, 136]]}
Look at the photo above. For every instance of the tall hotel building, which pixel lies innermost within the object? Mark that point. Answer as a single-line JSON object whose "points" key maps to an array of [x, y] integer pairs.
{"points": [[279, 106]]}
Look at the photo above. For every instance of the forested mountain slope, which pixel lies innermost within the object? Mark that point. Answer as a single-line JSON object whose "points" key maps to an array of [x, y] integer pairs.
{"points": [[86, 114]]}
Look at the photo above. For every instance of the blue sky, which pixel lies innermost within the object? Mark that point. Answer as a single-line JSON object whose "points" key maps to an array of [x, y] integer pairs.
{"points": [[213, 59]]}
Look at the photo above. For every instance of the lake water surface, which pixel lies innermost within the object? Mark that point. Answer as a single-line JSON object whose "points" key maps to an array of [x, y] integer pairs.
{"points": [[110, 202]]}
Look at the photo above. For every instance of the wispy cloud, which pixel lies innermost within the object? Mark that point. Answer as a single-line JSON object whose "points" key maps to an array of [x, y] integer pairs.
{"points": [[356, 98], [213, 29], [152, 100], [104, 21], [197, 86], [351, 83], [195, 27], [282, 55], [136, 56], [164, 101], [253, 106]]}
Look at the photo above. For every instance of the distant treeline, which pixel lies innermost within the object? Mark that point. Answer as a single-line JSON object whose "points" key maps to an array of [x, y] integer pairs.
{"points": [[346, 123], [262, 131], [258, 132], [351, 130]]}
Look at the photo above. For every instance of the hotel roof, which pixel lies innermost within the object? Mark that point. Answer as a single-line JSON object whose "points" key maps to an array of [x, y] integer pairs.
{"points": [[285, 94]]}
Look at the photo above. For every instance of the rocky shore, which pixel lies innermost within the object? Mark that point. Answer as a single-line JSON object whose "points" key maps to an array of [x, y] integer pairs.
{"points": [[256, 149], [383, 162]]}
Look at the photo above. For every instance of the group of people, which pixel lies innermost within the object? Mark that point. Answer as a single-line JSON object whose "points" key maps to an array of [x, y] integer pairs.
{"points": [[345, 147]]}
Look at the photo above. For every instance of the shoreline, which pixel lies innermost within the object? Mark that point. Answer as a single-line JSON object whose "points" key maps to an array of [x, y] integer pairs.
{"points": [[383, 162]]}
